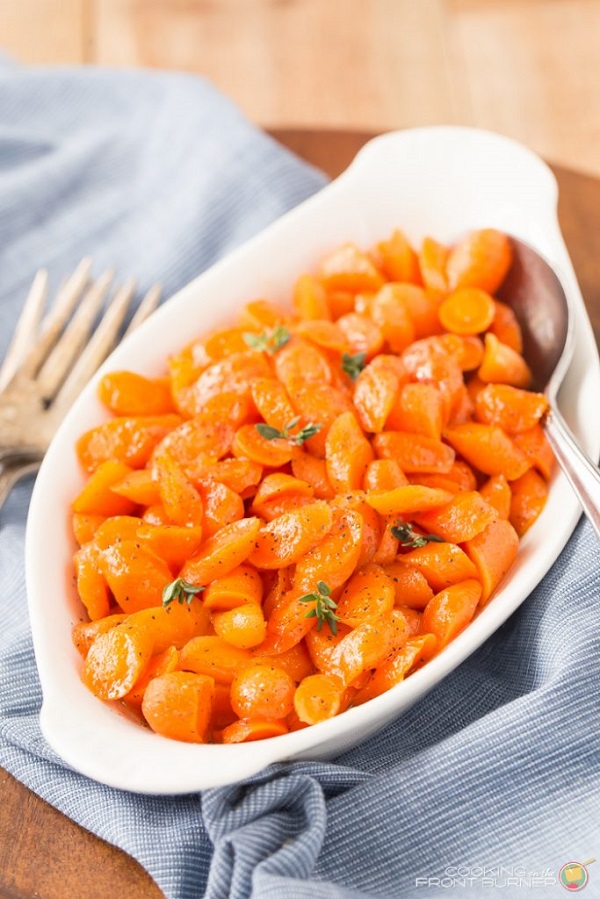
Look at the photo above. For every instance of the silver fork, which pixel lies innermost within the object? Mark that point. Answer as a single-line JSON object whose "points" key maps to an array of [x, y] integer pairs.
{"points": [[50, 359]]}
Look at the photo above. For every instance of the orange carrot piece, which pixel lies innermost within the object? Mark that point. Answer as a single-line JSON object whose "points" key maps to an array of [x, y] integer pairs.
{"points": [[410, 585], [408, 500], [127, 440], [279, 486], [126, 393], [317, 698], [243, 626], [451, 610], [246, 730], [309, 299], [91, 583], [300, 362], [467, 310], [179, 705], [393, 671], [286, 539], [213, 657], [501, 364], [314, 472], [220, 505], [262, 691], [116, 529], [296, 661], [461, 519], [496, 492], [433, 258], [493, 552], [481, 259], [222, 552], [116, 660], [85, 526], [172, 543], [392, 316], [348, 268], [397, 259], [261, 314], [414, 452], [181, 500], [271, 400], [418, 409], [242, 585], [537, 450], [510, 408], [84, 633], [140, 487], [368, 594], [237, 474], [362, 334], [442, 564], [356, 501], [160, 663], [529, 495], [248, 443], [97, 498], [488, 448], [135, 575], [506, 327], [365, 647], [383, 474], [347, 453], [375, 393]]}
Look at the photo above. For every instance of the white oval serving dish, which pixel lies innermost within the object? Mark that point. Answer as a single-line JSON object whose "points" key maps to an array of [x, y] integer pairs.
{"points": [[438, 181]]}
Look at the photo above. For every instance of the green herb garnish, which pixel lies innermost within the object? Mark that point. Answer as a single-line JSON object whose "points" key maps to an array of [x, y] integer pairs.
{"points": [[407, 536], [180, 590], [324, 608], [303, 434], [268, 341], [353, 365]]}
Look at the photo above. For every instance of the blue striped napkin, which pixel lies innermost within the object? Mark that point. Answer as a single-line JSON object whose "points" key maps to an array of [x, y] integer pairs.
{"points": [[487, 787]]}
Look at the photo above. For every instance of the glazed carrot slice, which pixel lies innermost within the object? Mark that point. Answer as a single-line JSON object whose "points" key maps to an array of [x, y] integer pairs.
{"points": [[414, 452], [233, 374], [324, 333], [222, 552], [501, 364], [181, 500], [213, 657], [450, 610], [461, 519], [97, 498], [493, 551], [248, 443], [261, 314], [496, 492], [467, 349], [467, 310], [408, 500], [433, 258], [280, 485], [172, 543], [506, 327], [481, 259], [320, 404], [160, 663], [442, 564], [488, 448], [317, 698], [375, 393], [309, 299], [237, 474], [140, 487], [349, 268], [85, 526], [262, 691], [172, 625], [313, 472], [242, 585], [383, 474], [116, 529], [135, 575], [397, 259], [458, 478], [537, 449], [418, 409], [246, 730], [84, 633], [126, 393], [116, 660], [529, 495], [347, 453], [226, 342], [365, 647], [288, 538], [127, 440], [392, 316], [299, 363], [179, 705], [416, 651], [296, 661], [271, 399], [510, 408], [356, 501], [91, 583], [200, 437], [410, 585], [362, 334], [368, 594], [243, 626], [220, 505]]}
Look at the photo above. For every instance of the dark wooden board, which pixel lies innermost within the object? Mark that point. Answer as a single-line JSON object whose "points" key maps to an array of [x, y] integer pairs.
{"points": [[44, 854]]}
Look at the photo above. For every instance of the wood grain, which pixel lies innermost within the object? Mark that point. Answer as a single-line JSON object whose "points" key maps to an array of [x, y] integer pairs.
{"points": [[43, 853]]}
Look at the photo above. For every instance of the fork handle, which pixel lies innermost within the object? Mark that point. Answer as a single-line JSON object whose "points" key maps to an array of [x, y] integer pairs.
{"points": [[581, 472], [10, 475]]}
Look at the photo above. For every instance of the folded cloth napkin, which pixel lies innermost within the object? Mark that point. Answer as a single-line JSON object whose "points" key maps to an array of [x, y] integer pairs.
{"points": [[491, 782]]}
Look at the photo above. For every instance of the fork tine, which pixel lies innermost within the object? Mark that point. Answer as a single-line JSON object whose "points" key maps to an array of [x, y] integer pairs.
{"points": [[98, 347], [58, 315], [69, 345], [26, 327], [145, 308]]}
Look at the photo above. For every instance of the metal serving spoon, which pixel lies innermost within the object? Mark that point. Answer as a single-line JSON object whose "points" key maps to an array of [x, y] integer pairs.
{"points": [[538, 299]]}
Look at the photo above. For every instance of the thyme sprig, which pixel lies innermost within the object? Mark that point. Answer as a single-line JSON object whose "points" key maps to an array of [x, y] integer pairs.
{"points": [[324, 607], [305, 433], [269, 341], [408, 537], [180, 590]]}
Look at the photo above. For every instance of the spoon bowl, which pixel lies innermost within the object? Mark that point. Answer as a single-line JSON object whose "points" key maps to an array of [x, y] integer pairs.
{"points": [[535, 293]]}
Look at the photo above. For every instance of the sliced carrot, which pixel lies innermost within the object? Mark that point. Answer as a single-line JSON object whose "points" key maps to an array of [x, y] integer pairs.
{"points": [[116, 660], [537, 450], [172, 543], [376, 392], [222, 552], [349, 268], [362, 334], [493, 551], [213, 657], [317, 698], [85, 526], [84, 633], [313, 472], [261, 690], [91, 583], [310, 299], [416, 651], [248, 729], [481, 259], [414, 452], [368, 594], [242, 585], [179, 705], [529, 495], [243, 626], [442, 564], [501, 364], [127, 440], [182, 502], [135, 575], [383, 474], [450, 610], [512, 409], [465, 516], [248, 443], [419, 408], [488, 448], [286, 539], [126, 393], [397, 259], [272, 401], [506, 327], [433, 258], [496, 492], [391, 314], [139, 487], [220, 506], [347, 453], [467, 310], [97, 498], [410, 585], [408, 500]]}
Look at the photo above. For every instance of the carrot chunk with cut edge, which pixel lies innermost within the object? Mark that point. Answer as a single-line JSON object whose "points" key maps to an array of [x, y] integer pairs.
{"points": [[179, 705], [481, 259], [317, 698], [433, 257], [349, 268], [91, 583], [246, 730], [529, 495], [418, 409], [240, 586], [182, 502], [368, 594], [85, 526], [262, 691], [416, 650], [488, 448], [442, 564], [214, 657], [347, 453], [97, 498], [84, 633], [392, 316], [493, 552], [414, 452], [537, 449], [450, 610], [376, 392], [467, 310], [496, 492], [222, 552], [362, 334], [271, 399], [249, 443], [128, 440], [365, 647], [243, 626], [135, 575], [410, 585], [160, 663], [337, 554], [172, 543], [512, 409], [398, 260], [127, 393], [408, 500], [506, 327], [286, 539], [501, 364], [139, 486], [116, 660], [310, 299], [461, 519], [383, 474]]}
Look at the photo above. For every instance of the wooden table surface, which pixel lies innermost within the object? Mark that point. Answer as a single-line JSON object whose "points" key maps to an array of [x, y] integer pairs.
{"points": [[45, 855]]}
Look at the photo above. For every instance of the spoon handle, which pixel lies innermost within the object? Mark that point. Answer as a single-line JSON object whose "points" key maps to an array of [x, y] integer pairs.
{"points": [[583, 475]]}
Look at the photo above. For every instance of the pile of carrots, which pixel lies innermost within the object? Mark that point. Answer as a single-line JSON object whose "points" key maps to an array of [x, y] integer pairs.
{"points": [[315, 500]]}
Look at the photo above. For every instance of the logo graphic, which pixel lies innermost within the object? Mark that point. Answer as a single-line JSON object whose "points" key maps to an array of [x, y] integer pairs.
{"points": [[574, 875]]}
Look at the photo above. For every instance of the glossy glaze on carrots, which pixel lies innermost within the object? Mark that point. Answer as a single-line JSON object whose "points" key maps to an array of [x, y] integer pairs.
{"points": [[314, 500]]}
